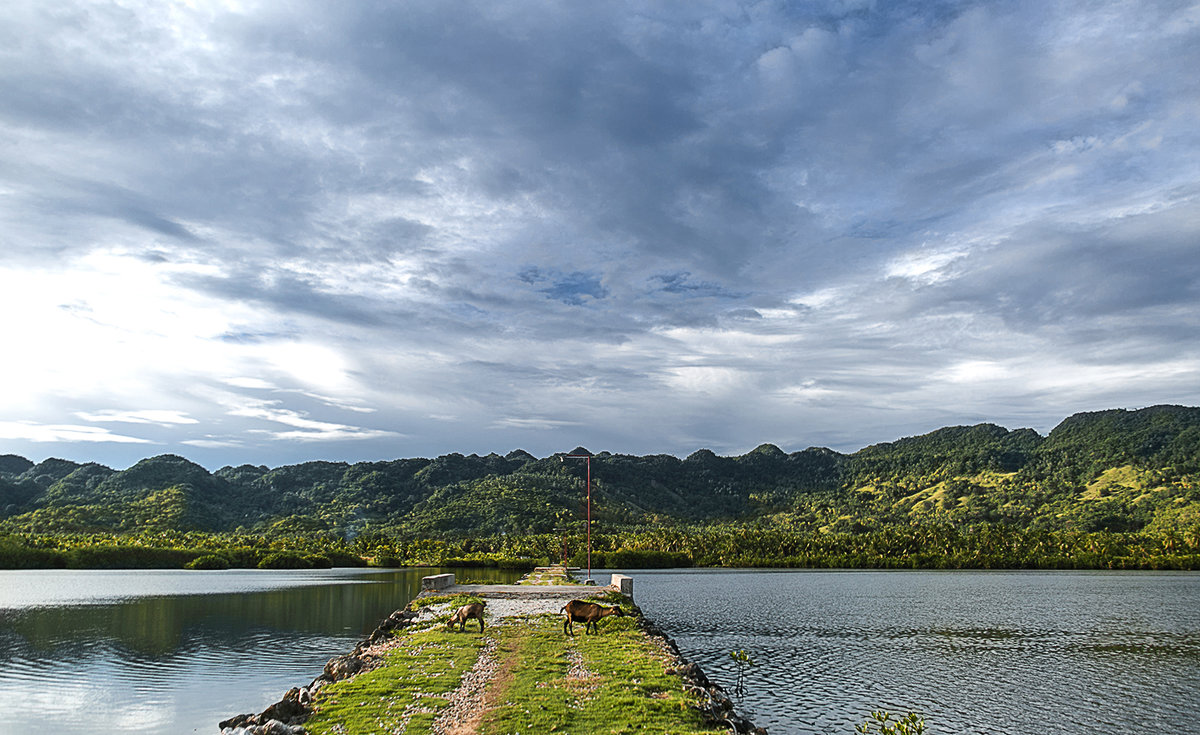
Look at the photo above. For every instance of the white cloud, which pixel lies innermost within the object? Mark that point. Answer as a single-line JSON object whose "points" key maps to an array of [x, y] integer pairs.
{"points": [[330, 433], [213, 443], [309, 429], [66, 433], [315, 365], [923, 266], [146, 416], [534, 424], [974, 371], [252, 383], [706, 380]]}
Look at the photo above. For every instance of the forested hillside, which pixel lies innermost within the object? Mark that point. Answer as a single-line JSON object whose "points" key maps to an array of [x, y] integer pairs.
{"points": [[1110, 471]]}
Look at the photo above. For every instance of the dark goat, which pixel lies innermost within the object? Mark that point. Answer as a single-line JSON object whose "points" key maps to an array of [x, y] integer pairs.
{"points": [[578, 611], [465, 613]]}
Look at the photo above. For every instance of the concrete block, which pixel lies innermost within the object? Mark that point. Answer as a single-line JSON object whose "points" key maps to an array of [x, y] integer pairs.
{"points": [[437, 581], [624, 583]]}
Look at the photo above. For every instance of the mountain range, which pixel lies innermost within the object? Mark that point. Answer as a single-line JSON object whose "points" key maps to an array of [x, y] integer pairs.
{"points": [[1115, 470]]}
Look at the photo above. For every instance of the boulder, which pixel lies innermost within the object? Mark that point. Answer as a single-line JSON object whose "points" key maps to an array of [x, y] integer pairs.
{"points": [[237, 721], [292, 709], [343, 667]]}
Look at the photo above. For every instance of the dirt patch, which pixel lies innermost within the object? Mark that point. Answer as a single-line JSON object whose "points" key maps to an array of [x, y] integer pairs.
{"points": [[491, 691], [466, 706], [580, 680]]}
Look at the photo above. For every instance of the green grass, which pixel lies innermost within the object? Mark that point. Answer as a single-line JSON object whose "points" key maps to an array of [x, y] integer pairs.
{"points": [[411, 687], [622, 686], [611, 597], [546, 682], [553, 575], [456, 600]]}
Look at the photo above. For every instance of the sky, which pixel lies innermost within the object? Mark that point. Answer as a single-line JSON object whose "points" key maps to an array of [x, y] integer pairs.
{"points": [[269, 232]]}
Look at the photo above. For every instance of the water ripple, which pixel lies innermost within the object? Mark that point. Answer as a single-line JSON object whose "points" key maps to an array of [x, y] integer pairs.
{"points": [[982, 653]]}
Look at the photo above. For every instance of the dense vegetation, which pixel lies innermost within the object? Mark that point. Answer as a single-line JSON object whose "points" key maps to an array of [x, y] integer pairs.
{"points": [[1106, 489]]}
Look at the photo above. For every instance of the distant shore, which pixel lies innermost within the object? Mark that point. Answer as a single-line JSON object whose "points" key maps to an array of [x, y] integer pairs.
{"points": [[728, 546]]}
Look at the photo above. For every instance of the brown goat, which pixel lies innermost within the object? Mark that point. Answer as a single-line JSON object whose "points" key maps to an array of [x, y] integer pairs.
{"points": [[465, 613], [578, 611]]}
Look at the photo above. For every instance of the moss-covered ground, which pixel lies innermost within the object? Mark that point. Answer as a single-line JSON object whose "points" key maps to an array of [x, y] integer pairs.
{"points": [[614, 682], [405, 694], [554, 575]]}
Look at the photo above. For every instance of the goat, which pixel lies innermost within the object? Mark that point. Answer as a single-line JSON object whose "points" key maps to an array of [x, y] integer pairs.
{"points": [[578, 611], [465, 613]]}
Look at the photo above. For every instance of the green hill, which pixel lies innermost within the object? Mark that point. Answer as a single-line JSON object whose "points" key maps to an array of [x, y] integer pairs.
{"points": [[1110, 470]]}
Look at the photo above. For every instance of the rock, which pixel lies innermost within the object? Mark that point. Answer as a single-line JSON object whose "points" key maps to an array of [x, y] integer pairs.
{"points": [[293, 709], [343, 667], [288, 710], [274, 727], [693, 673], [270, 727], [237, 721], [398, 619], [717, 707]]}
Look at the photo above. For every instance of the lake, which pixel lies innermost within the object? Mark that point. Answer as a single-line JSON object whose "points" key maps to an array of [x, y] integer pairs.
{"points": [[975, 652], [168, 651]]}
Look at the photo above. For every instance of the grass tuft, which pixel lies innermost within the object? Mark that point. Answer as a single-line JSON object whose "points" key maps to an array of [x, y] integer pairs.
{"points": [[455, 600]]}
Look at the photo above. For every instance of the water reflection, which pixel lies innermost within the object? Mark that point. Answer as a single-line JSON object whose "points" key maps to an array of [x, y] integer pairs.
{"points": [[178, 661]]}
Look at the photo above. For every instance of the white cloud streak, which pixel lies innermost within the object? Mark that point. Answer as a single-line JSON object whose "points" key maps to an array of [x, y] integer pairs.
{"points": [[62, 433]]}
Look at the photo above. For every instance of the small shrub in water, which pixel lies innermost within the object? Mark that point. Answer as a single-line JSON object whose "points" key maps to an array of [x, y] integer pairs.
{"points": [[742, 659], [881, 723]]}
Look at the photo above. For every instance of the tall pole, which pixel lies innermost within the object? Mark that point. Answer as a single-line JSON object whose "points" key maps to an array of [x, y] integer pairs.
{"points": [[587, 458], [589, 516]]}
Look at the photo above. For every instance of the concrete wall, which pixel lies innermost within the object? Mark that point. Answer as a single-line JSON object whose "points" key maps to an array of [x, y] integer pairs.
{"points": [[437, 581]]}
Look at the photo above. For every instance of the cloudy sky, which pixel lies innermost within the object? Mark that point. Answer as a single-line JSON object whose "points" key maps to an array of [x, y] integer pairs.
{"points": [[273, 232]]}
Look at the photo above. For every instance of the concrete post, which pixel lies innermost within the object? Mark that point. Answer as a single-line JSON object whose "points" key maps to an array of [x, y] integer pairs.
{"points": [[437, 582], [624, 583]]}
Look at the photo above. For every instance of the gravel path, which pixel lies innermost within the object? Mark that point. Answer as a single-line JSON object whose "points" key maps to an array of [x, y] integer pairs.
{"points": [[466, 702]]}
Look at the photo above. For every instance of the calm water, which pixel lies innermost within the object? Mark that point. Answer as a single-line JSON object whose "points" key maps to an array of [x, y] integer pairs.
{"points": [[175, 651], [1028, 653], [1033, 653]]}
